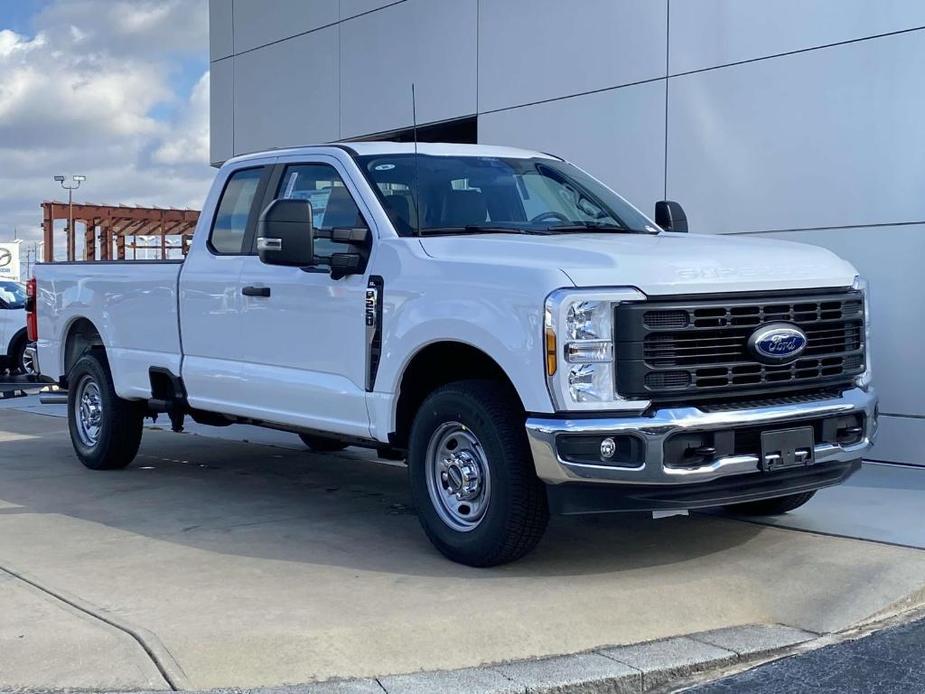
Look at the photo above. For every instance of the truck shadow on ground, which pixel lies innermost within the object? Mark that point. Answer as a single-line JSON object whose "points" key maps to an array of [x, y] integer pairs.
{"points": [[339, 510]]}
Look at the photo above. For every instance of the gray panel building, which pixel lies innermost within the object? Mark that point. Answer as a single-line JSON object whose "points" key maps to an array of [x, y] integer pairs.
{"points": [[796, 118]]}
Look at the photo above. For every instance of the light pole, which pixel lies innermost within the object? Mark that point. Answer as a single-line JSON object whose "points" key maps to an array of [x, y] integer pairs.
{"points": [[77, 180]]}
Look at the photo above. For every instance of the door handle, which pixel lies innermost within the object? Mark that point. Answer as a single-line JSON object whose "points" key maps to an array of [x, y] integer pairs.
{"points": [[256, 291]]}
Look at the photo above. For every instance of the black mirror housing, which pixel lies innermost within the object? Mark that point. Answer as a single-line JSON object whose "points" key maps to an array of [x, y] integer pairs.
{"points": [[343, 264], [670, 216], [285, 235], [354, 236]]}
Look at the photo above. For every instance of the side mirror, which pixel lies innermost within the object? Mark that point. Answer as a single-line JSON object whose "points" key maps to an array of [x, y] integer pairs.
{"points": [[285, 235], [670, 216]]}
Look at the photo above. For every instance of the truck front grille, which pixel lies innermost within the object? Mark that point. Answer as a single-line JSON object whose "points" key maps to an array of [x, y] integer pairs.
{"points": [[669, 350]]}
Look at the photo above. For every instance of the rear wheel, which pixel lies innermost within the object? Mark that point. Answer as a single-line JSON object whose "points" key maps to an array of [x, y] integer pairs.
{"points": [[771, 507], [105, 429], [472, 479], [322, 444]]}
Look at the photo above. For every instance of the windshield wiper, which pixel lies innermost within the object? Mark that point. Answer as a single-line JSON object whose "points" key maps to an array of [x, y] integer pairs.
{"points": [[595, 226], [479, 229]]}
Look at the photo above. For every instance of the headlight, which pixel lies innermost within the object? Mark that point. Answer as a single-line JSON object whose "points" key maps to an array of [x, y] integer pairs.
{"points": [[864, 379], [579, 348], [588, 320]]}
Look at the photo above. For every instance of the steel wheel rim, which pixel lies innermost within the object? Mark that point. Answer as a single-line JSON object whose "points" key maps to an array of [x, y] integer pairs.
{"points": [[27, 364], [88, 414], [458, 477]]}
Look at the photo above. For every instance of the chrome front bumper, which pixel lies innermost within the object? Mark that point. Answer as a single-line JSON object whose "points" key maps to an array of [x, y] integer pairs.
{"points": [[654, 430]]}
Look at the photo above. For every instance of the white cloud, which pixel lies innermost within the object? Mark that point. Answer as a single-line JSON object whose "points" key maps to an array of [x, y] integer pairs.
{"points": [[132, 27], [95, 92], [51, 97], [190, 142], [12, 43]]}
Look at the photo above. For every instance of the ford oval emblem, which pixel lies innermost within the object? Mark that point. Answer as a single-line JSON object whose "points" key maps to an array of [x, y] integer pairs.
{"points": [[776, 343]]}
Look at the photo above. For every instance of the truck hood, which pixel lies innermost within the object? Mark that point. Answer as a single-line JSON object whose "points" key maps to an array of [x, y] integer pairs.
{"points": [[661, 264]]}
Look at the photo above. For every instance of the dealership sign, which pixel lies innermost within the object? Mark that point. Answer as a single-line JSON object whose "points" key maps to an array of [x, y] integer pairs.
{"points": [[9, 261]]}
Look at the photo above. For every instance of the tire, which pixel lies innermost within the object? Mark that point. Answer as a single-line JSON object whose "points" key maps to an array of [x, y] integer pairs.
{"points": [[771, 507], [106, 431], [479, 426], [322, 444]]}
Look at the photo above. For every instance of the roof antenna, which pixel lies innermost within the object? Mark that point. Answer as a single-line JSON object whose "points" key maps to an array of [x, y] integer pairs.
{"points": [[417, 178]]}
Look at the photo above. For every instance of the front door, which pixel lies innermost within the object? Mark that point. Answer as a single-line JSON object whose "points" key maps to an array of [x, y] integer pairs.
{"points": [[303, 338], [210, 294]]}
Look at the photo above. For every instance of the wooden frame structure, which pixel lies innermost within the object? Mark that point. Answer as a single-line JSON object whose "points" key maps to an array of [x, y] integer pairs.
{"points": [[107, 227]]}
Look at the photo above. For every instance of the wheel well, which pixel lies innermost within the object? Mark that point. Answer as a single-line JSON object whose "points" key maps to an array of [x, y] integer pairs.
{"points": [[434, 366], [82, 336]]}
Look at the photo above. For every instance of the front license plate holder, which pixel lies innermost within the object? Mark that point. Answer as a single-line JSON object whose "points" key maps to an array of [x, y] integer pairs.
{"points": [[787, 448]]}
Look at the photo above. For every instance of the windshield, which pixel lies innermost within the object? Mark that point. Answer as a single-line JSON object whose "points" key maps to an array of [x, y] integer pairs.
{"points": [[12, 294], [458, 194]]}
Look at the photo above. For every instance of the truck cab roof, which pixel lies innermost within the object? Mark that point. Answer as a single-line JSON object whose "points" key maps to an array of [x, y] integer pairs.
{"points": [[386, 148]]}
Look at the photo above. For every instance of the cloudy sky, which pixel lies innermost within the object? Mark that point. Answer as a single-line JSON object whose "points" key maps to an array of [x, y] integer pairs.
{"points": [[116, 90]]}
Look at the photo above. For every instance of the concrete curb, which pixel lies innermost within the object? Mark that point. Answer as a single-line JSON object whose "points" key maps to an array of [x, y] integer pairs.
{"points": [[650, 666], [631, 669]]}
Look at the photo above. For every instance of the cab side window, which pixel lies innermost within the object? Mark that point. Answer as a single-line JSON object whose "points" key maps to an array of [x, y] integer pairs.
{"points": [[234, 212], [332, 205]]}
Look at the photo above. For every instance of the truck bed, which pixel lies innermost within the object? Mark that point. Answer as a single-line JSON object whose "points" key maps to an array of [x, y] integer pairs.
{"points": [[132, 304]]}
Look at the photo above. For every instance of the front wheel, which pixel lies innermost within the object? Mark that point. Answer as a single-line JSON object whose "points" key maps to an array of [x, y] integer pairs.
{"points": [[472, 479], [771, 507], [105, 429]]}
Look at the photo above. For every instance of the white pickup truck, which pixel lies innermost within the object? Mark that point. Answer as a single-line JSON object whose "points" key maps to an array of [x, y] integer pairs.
{"points": [[527, 339]]}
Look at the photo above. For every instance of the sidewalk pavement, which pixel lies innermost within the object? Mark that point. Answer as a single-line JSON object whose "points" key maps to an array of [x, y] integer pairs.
{"points": [[236, 565]]}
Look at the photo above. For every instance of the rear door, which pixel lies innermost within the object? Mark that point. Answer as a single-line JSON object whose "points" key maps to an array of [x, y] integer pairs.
{"points": [[210, 293], [304, 342]]}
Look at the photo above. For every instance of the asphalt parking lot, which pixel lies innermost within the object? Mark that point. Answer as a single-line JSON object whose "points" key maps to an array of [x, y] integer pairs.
{"points": [[887, 662], [260, 564]]}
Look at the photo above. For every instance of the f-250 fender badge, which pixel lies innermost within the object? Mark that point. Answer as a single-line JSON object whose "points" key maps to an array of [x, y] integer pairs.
{"points": [[776, 343], [373, 320]]}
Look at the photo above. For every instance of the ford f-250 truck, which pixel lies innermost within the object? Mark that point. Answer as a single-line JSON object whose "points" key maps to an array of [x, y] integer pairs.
{"points": [[530, 341]]}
